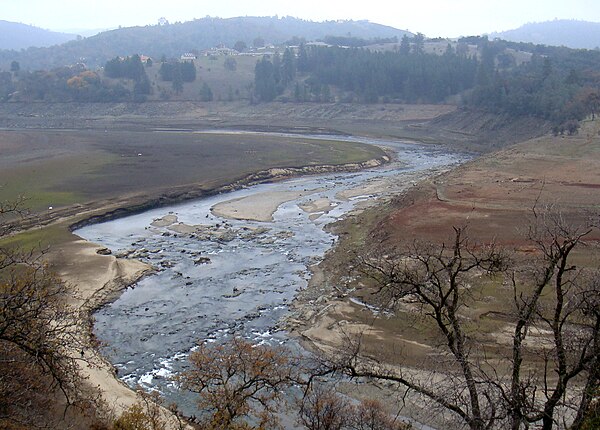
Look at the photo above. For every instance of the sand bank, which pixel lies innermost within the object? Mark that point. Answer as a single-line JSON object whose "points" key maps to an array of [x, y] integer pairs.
{"points": [[256, 207], [94, 281]]}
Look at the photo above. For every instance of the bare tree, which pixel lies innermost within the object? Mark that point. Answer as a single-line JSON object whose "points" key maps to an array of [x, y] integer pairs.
{"points": [[322, 408], [237, 380], [371, 415], [439, 281], [570, 311], [148, 414], [36, 337]]}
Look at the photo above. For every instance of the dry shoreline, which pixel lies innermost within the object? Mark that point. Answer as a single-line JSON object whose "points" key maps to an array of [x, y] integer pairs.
{"points": [[96, 280], [495, 194]]}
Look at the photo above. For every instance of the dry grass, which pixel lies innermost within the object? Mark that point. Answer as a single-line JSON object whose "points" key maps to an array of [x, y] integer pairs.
{"points": [[494, 196]]}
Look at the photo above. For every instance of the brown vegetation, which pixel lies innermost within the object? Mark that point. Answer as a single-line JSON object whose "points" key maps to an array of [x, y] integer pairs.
{"points": [[493, 195], [37, 340], [238, 380], [324, 409], [552, 295]]}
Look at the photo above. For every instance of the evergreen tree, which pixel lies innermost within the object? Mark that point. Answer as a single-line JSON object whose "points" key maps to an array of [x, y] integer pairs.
{"points": [[288, 67], [326, 94], [240, 46], [230, 64], [129, 68], [302, 58], [419, 44], [142, 87], [404, 45], [177, 80], [265, 85], [135, 68], [166, 71], [277, 68], [206, 94], [298, 93], [258, 42], [188, 71]]}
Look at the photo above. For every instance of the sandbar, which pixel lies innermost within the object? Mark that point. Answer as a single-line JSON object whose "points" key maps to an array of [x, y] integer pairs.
{"points": [[256, 207]]}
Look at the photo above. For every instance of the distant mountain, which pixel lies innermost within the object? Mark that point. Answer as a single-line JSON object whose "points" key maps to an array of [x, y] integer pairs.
{"points": [[86, 32], [570, 33], [173, 40], [17, 36]]}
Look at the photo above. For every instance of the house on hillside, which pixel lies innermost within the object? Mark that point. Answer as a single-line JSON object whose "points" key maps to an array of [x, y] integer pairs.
{"points": [[319, 44], [220, 51]]}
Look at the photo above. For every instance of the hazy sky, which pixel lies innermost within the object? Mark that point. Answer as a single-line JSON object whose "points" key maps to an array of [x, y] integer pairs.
{"points": [[431, 17]]}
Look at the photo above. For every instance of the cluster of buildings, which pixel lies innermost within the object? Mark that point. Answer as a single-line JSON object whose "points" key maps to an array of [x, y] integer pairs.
{"points": [[223, 51]]}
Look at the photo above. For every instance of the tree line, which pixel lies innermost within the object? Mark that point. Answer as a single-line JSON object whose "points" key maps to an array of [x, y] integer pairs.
{"points": [[122, 79], [558, 84], [130, 68], [405, 75], [177, 72], [411, 77]]}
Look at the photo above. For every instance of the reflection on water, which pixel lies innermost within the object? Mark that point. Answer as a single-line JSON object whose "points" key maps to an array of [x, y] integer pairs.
{"points": [[226, 276]]}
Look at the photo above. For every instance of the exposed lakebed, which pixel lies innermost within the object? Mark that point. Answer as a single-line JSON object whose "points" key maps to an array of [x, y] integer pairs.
{"points": [[217, 277]]}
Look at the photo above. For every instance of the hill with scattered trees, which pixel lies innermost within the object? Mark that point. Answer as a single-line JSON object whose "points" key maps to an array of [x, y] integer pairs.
{"points": [[172, 40], [560, 85], [556, 84]]}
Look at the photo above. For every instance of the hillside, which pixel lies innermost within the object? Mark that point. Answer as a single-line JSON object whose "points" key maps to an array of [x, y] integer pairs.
{"points": [[18, 36], [570, 33], [173, 40]]}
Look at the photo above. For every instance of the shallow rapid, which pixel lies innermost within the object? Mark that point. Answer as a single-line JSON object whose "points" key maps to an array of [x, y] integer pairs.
{"points": [[216, 277]]}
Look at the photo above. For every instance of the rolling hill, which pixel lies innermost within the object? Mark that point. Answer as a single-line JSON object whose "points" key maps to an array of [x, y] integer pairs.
{"points": [[569, 33], [175, 39], [17, 36]]}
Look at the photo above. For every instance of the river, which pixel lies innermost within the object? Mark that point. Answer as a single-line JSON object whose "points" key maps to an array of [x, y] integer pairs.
{"points": [[228, 276]]}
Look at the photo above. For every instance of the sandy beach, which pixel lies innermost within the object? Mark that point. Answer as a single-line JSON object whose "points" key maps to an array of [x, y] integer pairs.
{"points": [[96, 280]]}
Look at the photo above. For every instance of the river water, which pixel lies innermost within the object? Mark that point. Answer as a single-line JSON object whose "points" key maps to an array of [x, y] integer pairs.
{"points": [[234, 277]]}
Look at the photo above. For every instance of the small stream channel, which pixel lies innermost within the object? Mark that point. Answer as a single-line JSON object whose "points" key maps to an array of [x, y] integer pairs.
{"points": [[232, 277]]}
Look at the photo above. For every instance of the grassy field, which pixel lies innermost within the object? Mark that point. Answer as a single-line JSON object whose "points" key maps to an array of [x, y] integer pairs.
{"points": [[68, 175], [225, 84], [59, 168], [83, 160]]}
